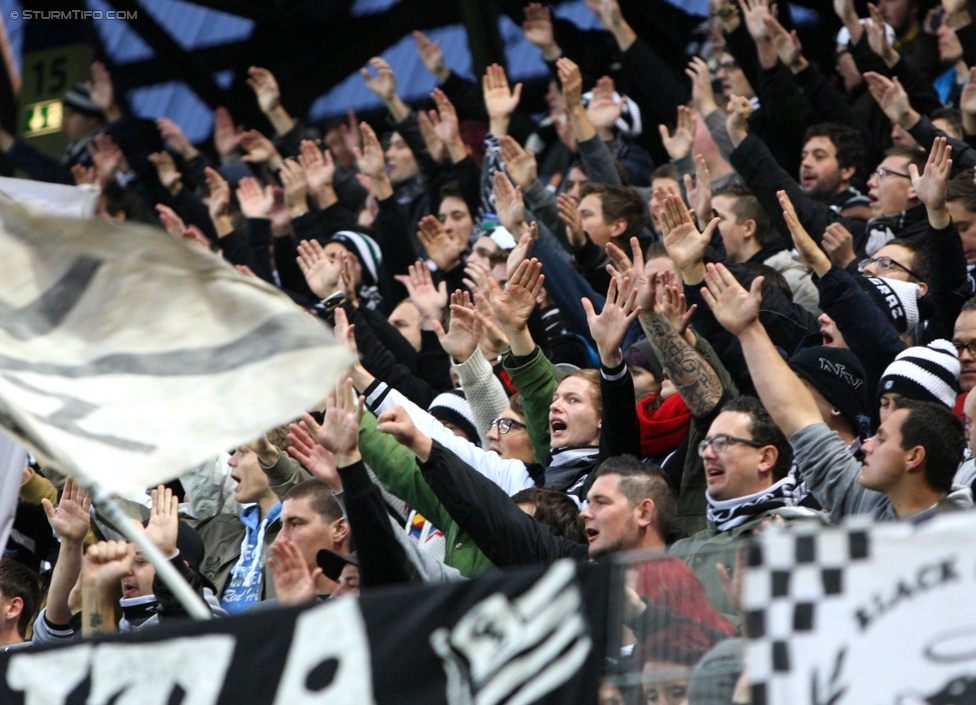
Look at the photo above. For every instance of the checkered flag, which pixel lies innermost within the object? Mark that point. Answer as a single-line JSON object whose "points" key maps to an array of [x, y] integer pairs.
{"points": [[789, 576]]}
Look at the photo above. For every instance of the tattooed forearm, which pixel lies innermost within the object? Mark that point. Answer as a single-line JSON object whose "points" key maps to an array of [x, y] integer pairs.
{"points": [[95, 620], [694, 378]]}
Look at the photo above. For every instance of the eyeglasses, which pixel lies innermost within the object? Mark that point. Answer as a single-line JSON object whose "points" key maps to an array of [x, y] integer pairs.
{"points": [[720, 444], [505, 424], [969, 347], [728, 64], [884, 264], [881, 172]]}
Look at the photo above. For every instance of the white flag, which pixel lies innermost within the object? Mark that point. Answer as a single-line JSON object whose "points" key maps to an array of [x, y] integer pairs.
{"points": [[128, 356]]}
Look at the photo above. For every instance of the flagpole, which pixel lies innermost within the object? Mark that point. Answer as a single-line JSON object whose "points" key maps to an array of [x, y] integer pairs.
{"points": [[191, 601]]}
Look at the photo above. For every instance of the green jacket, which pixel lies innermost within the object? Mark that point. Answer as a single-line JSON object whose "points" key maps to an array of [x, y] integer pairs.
{"points": [[535, 382], [397, 470]]}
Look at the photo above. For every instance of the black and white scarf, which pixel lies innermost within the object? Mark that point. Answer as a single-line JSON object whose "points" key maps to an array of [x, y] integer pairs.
{"points": [[730, 513]]}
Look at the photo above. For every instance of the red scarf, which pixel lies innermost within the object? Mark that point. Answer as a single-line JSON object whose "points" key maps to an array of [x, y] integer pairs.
{"points": [[662, 429]]}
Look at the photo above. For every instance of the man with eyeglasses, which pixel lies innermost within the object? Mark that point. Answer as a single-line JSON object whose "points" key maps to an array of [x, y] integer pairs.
{"points": [[964, 340], [747, 463]]}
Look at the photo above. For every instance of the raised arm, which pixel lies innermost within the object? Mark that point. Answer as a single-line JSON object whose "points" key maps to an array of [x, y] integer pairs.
{"points": [[70, 521], [786, 398]]}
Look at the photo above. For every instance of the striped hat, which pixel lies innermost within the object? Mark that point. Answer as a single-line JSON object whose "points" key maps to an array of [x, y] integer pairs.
{"points": [[897, 300], [78, 98], [453, 408], [366, 249], [924, 373]]}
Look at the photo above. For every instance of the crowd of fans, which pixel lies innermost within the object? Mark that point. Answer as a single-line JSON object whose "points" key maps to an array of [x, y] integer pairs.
{"points": [[577, 335]]}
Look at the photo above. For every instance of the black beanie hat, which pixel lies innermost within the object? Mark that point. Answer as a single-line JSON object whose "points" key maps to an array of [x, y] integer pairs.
{"points": [[839, 376]]}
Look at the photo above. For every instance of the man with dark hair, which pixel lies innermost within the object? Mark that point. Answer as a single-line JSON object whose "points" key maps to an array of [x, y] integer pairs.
{"points": [[554, 509], [20, 598], [747, 236], [832, 154], [964, 340], [312, 520], [747, 462], [611, 213]]}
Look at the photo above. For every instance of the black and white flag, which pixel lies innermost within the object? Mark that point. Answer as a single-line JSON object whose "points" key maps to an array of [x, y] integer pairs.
{"points": [[865, 613], [536, 635], [128, 356]]}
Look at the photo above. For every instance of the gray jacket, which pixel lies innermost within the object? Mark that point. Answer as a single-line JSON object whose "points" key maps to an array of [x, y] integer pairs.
{"points": [[831, 474]]}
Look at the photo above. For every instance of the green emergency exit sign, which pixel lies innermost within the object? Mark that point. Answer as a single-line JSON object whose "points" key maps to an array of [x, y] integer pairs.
{"points": [[42, 118]]}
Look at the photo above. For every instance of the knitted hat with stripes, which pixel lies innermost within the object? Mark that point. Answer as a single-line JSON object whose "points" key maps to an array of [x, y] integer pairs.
{"points": [[453, 408], [924, 373]]}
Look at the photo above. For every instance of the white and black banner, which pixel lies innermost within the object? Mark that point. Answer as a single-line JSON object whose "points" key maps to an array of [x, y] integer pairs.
{"points": [[128, 356], [530, 636], [881, 613]]}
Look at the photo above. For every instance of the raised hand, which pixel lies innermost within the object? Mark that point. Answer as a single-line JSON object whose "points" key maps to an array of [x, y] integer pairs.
{"points": [[477, 279], [106, 156], [169, 177], [311, 454], [701, 86], [570, 215], [164, 521], [435, 146], [513, 306], [431, 55], [805, 245], [107, 562], [572, 82], [296, 187], [519, 163], [931, 185], [684, 242], [294, 584], [839, 244], [89, 175], [733, 306], [604, 109], [72, 519], [340, 432], [384, 83], [259, 149], [522, 251], [219, 193], [755, 12], [429, 300], [175, 138], [226, 137], [494, 341], [787, 44], [255, 202], [347, 281], [967, 103], [878, 37], [445, 119], [700, 193], [538, 30], [102, 92], [443, 249], [892, 98], [171, 221], [460, 341], [318, 165], [265, 88], [609, 327], [737, 123], [679, 144], [672, 305], [509, 204], [500, 101], [397, 422], [321, 272], [370, 158]]}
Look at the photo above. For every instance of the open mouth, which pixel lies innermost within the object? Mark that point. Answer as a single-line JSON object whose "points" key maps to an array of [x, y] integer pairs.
{"points": [[713, 472], [557, 426], [828, 339], [591, 535]]}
